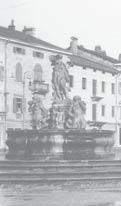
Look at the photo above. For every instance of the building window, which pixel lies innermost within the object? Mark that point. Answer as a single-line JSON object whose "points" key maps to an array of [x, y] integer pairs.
{"points": [[113, 88], [103, 86], [38, 54], [17, 105], [94, 112], [18, 50], [103, 110], [119, 87], [71, 82], [84, 83], [38, 73], [1, 73], [18, 72], [113, 111], [120, 113], [94, 87], [84, 67]]}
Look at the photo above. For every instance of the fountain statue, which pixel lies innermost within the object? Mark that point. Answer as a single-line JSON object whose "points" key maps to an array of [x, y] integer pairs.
{"points": [[60, 131], [60, 78], [64, 113], [75, 115], [39, 114]]}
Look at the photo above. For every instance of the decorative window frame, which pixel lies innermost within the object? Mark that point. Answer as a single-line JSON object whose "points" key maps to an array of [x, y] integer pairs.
{"points": [[19, 50], [38, 54]]}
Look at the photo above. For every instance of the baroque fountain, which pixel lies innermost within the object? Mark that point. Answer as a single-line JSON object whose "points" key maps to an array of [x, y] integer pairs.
{"points": [[59, 132]]}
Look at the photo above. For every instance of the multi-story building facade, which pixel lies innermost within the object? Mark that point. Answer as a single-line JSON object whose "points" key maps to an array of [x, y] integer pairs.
{"points": [[21, 56], [98, 83], [24, 58]]}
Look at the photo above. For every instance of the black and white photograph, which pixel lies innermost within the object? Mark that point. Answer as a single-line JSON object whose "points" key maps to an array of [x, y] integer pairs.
{"points": [[60, 103]]}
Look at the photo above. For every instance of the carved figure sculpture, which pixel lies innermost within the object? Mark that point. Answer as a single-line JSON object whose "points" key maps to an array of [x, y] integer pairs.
{"points": [[57, 117], [76, 114], [60, 78], [38, 112]]}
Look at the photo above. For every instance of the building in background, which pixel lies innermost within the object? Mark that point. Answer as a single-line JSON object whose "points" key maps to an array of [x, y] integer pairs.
{"points": [[25, 58], [21, 56], [98, 82]]}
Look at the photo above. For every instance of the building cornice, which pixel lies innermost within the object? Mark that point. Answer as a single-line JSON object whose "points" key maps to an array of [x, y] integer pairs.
{"points": [[81, 58]]}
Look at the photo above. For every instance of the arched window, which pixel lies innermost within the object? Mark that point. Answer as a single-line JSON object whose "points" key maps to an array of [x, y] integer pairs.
{"points": [[38, 73], [18, 72]]}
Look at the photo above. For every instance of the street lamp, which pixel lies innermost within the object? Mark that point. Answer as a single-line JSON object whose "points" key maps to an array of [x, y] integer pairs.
{"points": [[117, 106], [4, 135], [27, 75]]}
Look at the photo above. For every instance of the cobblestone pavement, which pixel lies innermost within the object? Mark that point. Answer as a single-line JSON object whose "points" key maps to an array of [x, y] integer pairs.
{"points": [[51, 195], [97, 194]]}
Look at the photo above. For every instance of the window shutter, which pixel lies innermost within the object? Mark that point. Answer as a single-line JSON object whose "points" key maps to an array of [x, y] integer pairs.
{"points": [[94, 87], [1, 73], [7, 108], [33, 53], [23, 51], [18, 72], [71, 83], [119, 87], [113, 88], [38, 73], [14, 105], [14, 49], [83, 83], [24, 105], [94, 112]]}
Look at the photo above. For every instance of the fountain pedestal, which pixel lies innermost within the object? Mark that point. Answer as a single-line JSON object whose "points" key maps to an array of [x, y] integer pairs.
{"points": [[62, 144]]}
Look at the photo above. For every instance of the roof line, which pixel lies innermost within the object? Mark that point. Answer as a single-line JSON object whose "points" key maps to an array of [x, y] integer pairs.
{"points": [[53, 50], [100, 64], [106, 57], [34, 46]]}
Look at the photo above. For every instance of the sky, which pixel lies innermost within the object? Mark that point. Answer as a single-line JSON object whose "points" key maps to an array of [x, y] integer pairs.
{"points": [[93, 22]]}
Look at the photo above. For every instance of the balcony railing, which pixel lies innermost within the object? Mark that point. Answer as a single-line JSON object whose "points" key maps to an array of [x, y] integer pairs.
{"points": [[96, 98], [97, 124], [39, 87]]}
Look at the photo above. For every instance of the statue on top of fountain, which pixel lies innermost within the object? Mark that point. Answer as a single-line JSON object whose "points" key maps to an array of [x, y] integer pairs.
{"points": [[60, 79], [66, 113]]}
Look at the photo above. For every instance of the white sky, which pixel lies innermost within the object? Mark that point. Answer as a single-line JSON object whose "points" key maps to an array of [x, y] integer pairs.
{"points": [[93, 22]]}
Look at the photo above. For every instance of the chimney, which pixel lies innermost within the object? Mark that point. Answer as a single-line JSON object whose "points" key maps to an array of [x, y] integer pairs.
{"points": [[98, 48], [81, 46], [29, 31], [74, 45], [100, 51], [119, 57], [12, 26]]}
